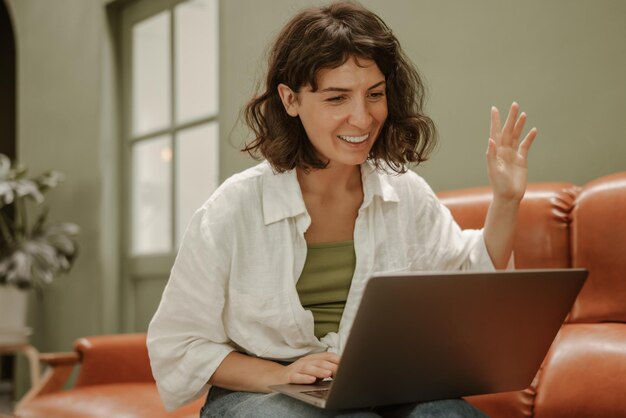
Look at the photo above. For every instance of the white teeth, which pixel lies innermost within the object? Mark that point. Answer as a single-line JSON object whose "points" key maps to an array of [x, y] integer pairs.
{"points": [[353, 139]]}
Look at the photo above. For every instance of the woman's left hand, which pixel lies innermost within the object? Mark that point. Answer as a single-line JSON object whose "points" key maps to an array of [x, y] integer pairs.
{"points": [[507, 156]]}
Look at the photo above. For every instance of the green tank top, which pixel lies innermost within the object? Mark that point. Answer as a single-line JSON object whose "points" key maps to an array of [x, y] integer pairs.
{"points": [[325, 281]]}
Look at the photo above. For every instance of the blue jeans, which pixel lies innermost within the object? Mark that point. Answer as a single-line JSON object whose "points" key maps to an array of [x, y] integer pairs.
{"points": [[224, 403]]}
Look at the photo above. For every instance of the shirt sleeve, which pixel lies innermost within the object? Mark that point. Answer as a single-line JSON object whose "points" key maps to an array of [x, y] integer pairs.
{"points": [[186, 337], [446, 246]]}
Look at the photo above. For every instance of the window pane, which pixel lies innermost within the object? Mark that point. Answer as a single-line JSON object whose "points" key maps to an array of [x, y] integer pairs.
{"points": [[196, 37], [151, 196], [197, 171], [151, 74]]}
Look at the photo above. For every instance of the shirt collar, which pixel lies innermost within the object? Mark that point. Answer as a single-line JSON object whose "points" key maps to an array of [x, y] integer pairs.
{"points": [[376, 183], [282, 197]]}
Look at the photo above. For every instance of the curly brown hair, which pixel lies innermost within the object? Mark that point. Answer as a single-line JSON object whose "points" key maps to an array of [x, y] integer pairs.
{"points": [[325, 38]]}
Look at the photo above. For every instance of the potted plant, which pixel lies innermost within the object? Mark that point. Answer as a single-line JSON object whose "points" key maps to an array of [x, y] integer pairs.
{"points": [[31, 254]]}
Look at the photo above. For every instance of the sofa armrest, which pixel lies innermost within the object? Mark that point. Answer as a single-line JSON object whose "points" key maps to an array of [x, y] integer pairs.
{"points": [[583, 374], [60, 367], [120, 358], [59, 359]]}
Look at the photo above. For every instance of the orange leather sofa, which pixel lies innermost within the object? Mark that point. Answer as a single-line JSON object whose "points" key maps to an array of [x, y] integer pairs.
{"points": [[114, 380], [562, 225], [583, 375]]}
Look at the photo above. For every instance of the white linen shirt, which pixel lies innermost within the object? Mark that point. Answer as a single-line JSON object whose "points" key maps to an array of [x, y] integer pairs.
{"points": [[233, 285]]}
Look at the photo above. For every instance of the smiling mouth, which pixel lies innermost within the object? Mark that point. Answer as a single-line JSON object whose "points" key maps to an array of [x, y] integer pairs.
{"points": [[354, 139]]}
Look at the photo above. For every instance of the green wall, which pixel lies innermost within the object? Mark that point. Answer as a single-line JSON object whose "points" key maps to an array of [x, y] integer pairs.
{"points": [[563, 60], [59, 67]]}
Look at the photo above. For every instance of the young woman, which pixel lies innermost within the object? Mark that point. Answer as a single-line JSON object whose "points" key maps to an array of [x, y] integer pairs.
{"points": [[272, 267]]}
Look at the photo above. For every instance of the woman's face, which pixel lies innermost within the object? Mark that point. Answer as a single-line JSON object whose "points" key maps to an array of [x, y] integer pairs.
{"points": [[345, 115]]}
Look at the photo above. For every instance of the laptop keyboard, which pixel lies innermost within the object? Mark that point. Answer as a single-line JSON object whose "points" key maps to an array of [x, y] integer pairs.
{"points": [[321, 392], [318, 393]]}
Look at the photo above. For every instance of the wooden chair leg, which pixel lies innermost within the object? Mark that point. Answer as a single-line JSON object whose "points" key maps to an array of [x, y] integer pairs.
{"points": [[33, 359], [60, 368]]}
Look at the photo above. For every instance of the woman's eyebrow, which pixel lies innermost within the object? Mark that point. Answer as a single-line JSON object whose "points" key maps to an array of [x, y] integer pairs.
{"points": [[344, 90], [380, 83]]}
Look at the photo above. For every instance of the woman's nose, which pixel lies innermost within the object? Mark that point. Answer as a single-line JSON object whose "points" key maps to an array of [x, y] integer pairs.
{"points": [[360, 116]]}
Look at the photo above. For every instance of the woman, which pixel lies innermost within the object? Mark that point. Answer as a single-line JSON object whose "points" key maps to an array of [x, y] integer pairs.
{"points": [[272, 267]]}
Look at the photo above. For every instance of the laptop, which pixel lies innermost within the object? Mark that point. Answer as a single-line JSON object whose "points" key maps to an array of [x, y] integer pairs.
{"points": [[428, 336]]}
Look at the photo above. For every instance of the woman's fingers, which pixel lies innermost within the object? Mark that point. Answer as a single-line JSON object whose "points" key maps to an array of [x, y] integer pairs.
{"points": [[509, 124], [326, 355], [314, 366], [491, 150], [527, 142], [320, 368], [329, 366], [302, 379], [317, 371], [517, 130], [309, 374], [494, 132], [510, 134]]}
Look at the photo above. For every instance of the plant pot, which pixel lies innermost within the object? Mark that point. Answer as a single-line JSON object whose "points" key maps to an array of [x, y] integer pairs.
{"points": [[13, 309]]}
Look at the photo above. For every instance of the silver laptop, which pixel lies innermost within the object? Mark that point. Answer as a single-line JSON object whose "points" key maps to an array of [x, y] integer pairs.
{"points": [[419, 337]]}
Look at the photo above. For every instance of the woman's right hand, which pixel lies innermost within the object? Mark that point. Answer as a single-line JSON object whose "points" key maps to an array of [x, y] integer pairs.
{"points": [[306, 370], [240, 372]]}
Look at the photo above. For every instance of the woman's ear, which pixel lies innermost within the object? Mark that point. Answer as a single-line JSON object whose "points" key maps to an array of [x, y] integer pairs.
{"points": [[289, 99]]}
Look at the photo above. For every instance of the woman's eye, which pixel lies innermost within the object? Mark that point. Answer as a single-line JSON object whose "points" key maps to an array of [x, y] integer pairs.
{"points": [[377, 94], [336, 99]]}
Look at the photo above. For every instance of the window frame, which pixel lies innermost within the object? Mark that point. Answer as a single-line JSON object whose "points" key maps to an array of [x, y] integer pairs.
{"points": [[138, 267]]}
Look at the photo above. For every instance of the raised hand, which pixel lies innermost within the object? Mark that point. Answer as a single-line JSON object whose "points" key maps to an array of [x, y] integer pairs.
{"points": [[507, 156]]}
